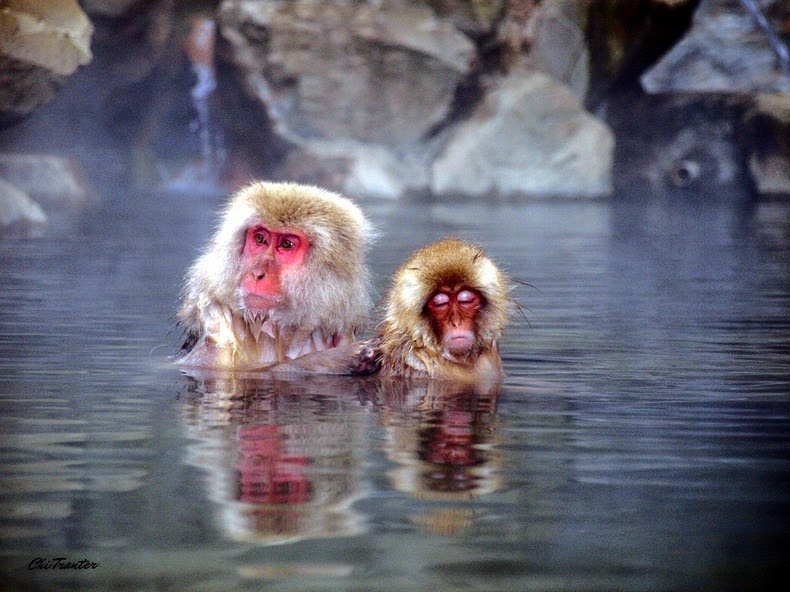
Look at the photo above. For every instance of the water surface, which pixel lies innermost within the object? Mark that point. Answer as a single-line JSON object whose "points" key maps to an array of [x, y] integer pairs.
{"points": [[639, 441]]}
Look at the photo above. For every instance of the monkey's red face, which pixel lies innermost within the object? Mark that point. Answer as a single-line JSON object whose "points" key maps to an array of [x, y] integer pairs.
{"points": [[452, 313], [268, 256]]}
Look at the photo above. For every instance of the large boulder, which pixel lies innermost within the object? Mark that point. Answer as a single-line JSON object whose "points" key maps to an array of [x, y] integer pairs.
{"points": [[529, 136], [369, 170], [53, 181], [686, 146], [347, 69], [41, 44], [725, 51], [559, 46]]}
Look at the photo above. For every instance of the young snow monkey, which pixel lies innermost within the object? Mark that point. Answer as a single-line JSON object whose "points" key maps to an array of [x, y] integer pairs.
{"points": [[445, 313], [283, 276]]}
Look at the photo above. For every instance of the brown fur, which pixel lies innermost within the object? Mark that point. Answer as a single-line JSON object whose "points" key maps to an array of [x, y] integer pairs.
{"points": [[409, 344]]}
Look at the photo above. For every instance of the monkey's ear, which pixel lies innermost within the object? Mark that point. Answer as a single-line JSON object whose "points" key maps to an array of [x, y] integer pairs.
{"points": [[362, 358]]}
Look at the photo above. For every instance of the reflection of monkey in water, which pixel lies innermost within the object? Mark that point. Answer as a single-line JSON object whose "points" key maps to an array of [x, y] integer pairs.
{"points": [[441, 435], [267, 474], [279, 463]]}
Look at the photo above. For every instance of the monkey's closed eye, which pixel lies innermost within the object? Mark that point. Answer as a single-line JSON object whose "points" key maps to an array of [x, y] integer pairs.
{"points": [[440, 299]]}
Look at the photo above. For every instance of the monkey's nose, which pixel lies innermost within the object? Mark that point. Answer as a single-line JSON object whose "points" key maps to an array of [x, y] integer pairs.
{"points": [[259, 271]]}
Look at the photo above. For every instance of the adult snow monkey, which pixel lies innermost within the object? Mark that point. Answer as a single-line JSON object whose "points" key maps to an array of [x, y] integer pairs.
{"points": [[283, 276]]}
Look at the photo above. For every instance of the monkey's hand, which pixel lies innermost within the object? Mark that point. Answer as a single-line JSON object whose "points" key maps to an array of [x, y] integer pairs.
{"points": [[368, 360]]}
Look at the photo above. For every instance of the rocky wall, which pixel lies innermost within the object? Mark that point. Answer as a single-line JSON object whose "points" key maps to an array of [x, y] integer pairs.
{"points": [[398, 98]]}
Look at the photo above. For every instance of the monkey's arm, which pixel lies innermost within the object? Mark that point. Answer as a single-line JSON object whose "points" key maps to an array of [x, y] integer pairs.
{"points": [[361, 358]]}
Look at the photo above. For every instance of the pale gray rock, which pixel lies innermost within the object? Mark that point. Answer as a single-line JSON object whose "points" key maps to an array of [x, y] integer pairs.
{"points": [[473, 18], [769, 149], [560, 47], [529, 136], [359, 170], [51, 180], [19, 213], [725, 51]]}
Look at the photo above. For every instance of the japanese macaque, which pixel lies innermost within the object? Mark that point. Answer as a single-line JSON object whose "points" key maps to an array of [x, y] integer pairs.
{"points": [[445, 313], [283, 276]]}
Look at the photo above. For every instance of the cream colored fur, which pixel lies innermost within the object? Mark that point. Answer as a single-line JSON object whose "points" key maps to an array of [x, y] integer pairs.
{"points": [[325, 302]]}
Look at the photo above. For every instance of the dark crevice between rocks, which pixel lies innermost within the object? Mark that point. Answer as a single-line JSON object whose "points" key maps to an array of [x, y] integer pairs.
{"points": [[249, 131], [491, 58], [625, 39]]}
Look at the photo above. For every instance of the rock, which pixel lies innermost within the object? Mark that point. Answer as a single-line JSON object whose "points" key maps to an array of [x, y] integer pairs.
{"points": [[691, 148], [19, 213], [768, 125], [110, 8], [529, 136], [473, 18], [725, 51], [363, 93], [559, 47], [359, 170], [51, 180], [41, 43], [347, 70]]}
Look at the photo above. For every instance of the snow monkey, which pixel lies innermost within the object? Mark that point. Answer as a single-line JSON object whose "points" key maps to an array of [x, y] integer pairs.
{"points": [[444, 315], [445, 312], [283, 276]]}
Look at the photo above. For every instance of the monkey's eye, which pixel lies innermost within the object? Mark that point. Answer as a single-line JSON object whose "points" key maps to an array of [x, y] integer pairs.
{"points": [[287, 244], [260, 238], [441, 299], [466, 296]]}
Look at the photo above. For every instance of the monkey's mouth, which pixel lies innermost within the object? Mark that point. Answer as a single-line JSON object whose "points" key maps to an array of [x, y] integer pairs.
{"points": [[259, 302], [459, 345]]}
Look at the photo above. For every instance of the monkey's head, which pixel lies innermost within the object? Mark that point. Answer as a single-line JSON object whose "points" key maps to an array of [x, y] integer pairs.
{"points": [[449, 299], [293, 254]]}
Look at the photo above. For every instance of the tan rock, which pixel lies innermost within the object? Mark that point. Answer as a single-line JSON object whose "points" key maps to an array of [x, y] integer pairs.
{"points": [[41, 42], [51, 34]]}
